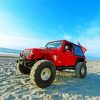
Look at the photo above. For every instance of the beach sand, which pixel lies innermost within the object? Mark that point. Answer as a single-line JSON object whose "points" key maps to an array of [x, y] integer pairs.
{"points": [[16, 86]]}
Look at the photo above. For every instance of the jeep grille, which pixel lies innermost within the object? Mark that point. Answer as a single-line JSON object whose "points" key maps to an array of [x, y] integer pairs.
{"points": [[26, 53]]}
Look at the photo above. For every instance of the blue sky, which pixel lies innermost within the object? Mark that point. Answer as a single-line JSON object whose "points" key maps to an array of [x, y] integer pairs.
{"points": [[32, 23]]}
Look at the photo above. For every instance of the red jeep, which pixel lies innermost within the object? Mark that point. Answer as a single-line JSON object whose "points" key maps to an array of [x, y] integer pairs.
{"points": [[42, 63]]}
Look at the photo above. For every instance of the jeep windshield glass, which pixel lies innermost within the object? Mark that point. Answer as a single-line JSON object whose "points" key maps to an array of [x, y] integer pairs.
{"points": [[57, 44]]}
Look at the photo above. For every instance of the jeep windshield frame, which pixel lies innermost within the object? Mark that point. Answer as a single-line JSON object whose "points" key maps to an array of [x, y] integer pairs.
{"points": [[55, 44]]}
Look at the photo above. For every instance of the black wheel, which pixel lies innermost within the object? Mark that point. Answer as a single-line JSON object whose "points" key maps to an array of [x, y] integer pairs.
{"points": [[43, 73], [23, 69], [80, 70]]}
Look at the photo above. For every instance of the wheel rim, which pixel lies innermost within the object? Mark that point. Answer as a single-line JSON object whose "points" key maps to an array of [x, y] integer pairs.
{"points": [[82, 70], [45, 74]]}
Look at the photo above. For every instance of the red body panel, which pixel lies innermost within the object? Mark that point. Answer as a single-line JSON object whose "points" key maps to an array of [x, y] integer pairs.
{"points": [[59, 56]]}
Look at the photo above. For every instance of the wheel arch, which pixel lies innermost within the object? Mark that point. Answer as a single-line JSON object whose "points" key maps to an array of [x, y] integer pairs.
{"points": [[80, 60]]}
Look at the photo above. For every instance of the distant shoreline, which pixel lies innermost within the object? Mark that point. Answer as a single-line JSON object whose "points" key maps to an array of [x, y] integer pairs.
{"points": [[3, 54]]}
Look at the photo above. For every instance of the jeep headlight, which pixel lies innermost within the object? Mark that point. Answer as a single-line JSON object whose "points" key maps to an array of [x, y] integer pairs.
{"points": [[31, 53]]}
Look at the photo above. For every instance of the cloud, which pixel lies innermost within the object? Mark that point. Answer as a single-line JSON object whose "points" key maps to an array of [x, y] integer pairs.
{"points": [[11, 25], [67, 37], [20, 42], [92, 45], [88, 36], [13, 34]]}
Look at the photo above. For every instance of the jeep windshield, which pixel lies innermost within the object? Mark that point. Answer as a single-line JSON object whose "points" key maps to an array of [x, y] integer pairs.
{"points": [[56, 44]]}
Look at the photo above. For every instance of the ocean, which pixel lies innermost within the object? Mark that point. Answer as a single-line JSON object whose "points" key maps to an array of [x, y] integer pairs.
{"points": [[11, 51]]}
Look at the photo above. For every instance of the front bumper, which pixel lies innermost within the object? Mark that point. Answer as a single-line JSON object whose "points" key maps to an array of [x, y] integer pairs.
{"points": [[25, 63], [20, 60]]}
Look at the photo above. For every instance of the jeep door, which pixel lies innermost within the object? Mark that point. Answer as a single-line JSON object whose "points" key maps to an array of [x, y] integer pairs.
{"points": [[68, 57]]}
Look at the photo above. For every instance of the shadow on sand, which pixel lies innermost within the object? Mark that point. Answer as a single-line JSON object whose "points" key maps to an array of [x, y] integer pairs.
{"points": [[89, 86]]}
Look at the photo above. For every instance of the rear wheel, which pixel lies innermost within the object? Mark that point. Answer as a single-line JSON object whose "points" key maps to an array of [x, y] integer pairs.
{"points": [[43, 73], [23, 69], [80, 70]]}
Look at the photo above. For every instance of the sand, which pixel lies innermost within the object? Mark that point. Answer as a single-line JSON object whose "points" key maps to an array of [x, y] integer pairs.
{"points": [[16, 86]]}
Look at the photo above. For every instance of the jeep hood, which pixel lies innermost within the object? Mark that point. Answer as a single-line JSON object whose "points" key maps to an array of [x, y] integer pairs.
{"points": [[41, 49]]}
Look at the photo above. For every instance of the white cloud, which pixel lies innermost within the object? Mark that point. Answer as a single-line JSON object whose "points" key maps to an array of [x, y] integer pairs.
{"points": [[89, 37], [68, 37], [13, 34], [20, 42], [92, 45]]}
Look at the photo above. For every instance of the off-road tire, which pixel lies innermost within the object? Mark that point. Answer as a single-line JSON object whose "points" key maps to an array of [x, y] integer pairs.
{"points": [[35, 74], [23, 69], [78, 70]]}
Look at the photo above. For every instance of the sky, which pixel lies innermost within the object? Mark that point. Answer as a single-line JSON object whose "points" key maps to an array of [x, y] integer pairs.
{"points": [[33, 23]]}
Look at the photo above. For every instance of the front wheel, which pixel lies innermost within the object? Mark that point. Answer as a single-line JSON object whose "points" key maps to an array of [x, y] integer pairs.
{"points": [[23, 69], [43, 73], [80, 70]]}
